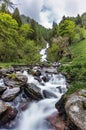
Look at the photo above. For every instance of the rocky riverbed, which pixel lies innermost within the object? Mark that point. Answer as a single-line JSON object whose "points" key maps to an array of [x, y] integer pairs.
{"points": [[18, 91]]}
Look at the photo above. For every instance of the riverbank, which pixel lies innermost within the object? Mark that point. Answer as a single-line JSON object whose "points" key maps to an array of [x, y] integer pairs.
{"points": [[72, 106], [75, 68]]}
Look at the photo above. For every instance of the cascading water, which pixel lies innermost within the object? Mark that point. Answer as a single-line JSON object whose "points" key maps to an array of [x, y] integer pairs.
{"points": [[34, 118], [44, 53]]}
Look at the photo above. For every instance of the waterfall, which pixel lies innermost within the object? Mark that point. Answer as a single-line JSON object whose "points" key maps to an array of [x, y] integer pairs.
{"points": [[43, 52]]}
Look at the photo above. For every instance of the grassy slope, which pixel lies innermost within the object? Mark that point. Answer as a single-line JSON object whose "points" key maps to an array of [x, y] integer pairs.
{"points": [[77, 67], [79, 52]]}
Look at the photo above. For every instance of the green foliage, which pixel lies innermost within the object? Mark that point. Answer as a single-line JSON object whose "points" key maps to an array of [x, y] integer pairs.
{"points": [[76, 69], [26, 31], [9, 39], [67, 28], [53, 53], [31, 54], [13, 76], [75, 86], [16, 16], [80, 34], [78, 20], [84, 19]]}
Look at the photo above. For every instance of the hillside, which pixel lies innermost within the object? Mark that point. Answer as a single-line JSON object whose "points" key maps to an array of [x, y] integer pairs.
{"points": [[75, 69]]}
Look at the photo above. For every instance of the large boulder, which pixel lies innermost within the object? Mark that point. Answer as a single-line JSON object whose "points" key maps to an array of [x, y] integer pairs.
{"points": [[33, 91], [76, 109], [7, 113], [15, 80], [10, 94]]}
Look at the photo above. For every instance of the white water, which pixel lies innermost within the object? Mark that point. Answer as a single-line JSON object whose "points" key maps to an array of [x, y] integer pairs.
{"points": [[34, 118], [44, 53]]}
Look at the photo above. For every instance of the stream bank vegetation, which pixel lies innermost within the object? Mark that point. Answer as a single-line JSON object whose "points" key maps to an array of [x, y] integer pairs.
{"points": [[69, 37]]}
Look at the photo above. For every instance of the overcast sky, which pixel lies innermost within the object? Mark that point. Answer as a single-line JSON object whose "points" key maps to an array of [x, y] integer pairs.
{"points": [[47, 11]]}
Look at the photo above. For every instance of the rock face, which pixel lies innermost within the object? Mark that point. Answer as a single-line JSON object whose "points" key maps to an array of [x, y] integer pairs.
{"points": [[10, 94], [76, 109], [17, 81], [33, 91]]}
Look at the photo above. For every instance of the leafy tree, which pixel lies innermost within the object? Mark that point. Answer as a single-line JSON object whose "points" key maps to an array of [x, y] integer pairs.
{"points": [[33, 26], [67, 28], [53, 53], [16, 16], [9, 39], [84, 19], [8, 3], [31, 52], [26, 31], [78, 20], [3, 8]]}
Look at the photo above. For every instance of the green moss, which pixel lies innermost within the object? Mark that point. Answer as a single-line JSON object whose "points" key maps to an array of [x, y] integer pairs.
{"points": [[13, 76]]}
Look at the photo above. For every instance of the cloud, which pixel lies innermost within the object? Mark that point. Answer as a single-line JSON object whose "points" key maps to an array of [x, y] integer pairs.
{"points": [[47, 11]]}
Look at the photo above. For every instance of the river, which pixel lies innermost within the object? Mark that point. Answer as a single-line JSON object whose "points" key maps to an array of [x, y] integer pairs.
{"points": [[37, 113], [34, 118]]}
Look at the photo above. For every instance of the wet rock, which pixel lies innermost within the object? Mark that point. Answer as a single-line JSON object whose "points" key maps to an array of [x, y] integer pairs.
{"points": [[56, 64], [10, 94], [2, 88], [76, 109], [10, 70], [24, 106], [59, 88], [57, 122], [8, 115], [15, 80], [3, 107], [48, 94], [45, 78], [37, 78], [37, 73], [60, 105], [50, 70], [33, 91], [3, 72]]}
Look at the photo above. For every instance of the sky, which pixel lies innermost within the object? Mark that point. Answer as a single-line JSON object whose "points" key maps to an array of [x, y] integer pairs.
{"points": [[47, 11]]}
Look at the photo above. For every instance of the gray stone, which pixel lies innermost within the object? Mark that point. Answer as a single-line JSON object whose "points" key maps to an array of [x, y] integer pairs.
{"points": [[33, 91], [76, 109], [17, 81], [49, 94], [2, 88], [10, 94], [3, 107]]}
